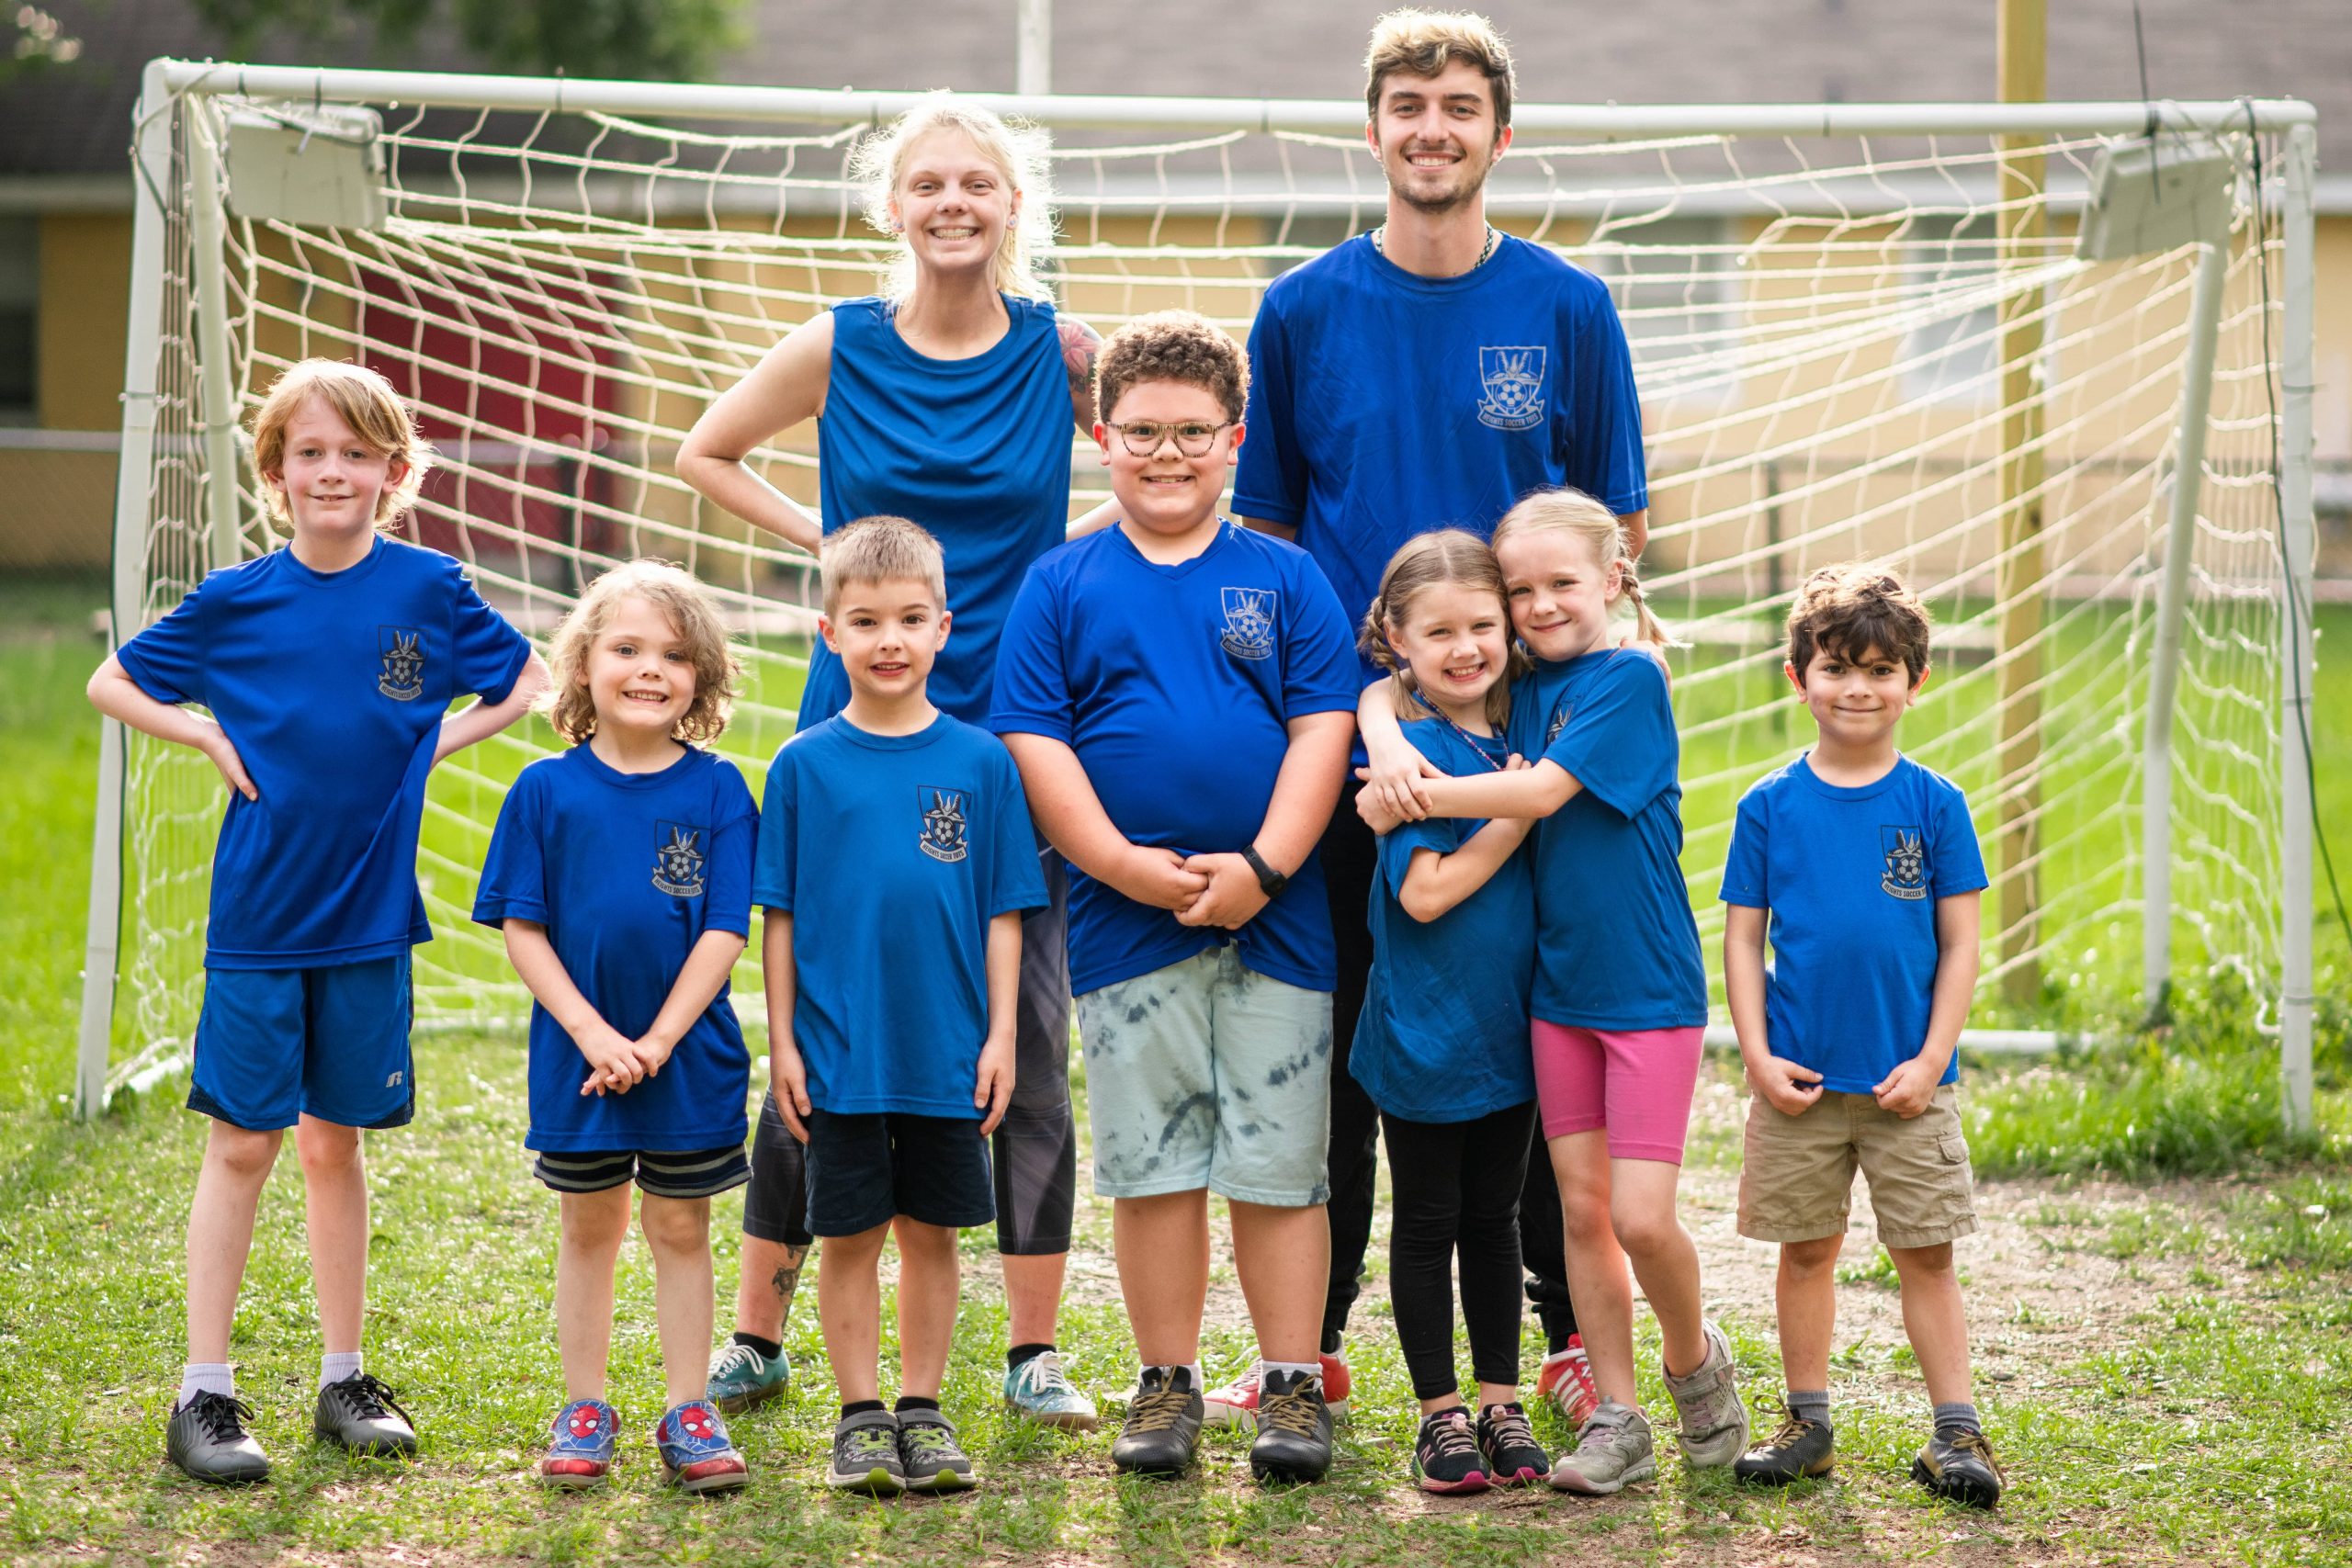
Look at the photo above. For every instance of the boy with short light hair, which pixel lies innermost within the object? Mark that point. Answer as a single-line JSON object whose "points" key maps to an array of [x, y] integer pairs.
{"points": [[328, 668], [1862, 868], [1179, 692], [894, 861]]}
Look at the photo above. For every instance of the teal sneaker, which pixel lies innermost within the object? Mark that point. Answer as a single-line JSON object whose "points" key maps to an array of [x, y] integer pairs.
{"points": [[741, 1377], [1040, 1391]]}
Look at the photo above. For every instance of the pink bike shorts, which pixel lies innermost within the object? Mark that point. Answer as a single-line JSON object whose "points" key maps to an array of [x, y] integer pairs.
{"points": [[1636, 1083]]}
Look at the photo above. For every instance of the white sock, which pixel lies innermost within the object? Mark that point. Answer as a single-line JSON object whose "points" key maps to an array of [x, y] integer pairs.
{"points": [[1266, 1370], [337, 1365], [206, 1377]]}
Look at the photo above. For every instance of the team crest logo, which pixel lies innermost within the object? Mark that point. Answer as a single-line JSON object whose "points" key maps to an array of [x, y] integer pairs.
{"points": [[1906, 861], [677, 859], [1560, 713], [1512, 381], [942, 823], [1248, 622], [403, 650]]}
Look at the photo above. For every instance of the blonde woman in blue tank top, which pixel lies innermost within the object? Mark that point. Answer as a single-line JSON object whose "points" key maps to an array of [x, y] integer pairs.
{"points": [[949, 399]]}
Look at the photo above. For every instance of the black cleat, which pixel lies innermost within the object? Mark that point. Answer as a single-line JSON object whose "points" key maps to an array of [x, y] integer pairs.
{"points": [[1294, 1428], [1800, 1449], [1163, 1423], [1961, 1468], [361, 1416], [207, 1438]]}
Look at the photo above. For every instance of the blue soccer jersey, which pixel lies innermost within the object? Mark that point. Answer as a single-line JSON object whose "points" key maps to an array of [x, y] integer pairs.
{"points": [[1514, 377], [332, 686], [1850, 878], [627, 871], [892, 853], [1442, 1036], [1616, 945], [976, 450], [1175, 686]]}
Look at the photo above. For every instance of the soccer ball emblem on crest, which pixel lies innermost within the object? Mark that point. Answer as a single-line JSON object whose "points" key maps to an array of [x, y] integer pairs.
{"points": [[1513, 382], [1905, 850], [942, 823], [1248, 622], [677, 860], [403, 652]]}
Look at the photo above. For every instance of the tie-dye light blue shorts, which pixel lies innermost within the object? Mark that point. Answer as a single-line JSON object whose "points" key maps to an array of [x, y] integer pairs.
{"points": [[1207, 1074]]}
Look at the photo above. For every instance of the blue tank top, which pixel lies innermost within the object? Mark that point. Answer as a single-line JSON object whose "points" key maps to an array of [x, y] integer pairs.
{"points": [[976, 450]]}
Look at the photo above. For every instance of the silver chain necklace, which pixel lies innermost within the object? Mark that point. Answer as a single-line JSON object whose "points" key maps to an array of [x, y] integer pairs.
{"points": [[1486, 251]]}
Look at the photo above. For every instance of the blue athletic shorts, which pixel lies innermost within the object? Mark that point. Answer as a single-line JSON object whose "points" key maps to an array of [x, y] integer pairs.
{"points": [[330, 1042]]}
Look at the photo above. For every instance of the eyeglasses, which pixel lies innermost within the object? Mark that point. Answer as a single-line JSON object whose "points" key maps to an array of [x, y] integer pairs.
{"points": [[1193, 439]]}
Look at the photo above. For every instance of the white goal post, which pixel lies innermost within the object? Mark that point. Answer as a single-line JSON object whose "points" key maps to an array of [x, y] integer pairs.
{"points": [[1858, 329]]}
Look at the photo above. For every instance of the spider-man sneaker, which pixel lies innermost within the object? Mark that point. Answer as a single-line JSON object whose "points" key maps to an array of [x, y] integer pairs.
{"points": [[579, 1445], [696, 1453]]}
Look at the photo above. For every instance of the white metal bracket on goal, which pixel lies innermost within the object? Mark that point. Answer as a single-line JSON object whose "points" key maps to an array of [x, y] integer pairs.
{"points": [[166, 80]]}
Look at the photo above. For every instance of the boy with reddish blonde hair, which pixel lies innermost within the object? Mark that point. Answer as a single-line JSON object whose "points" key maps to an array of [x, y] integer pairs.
{"points": [[328, 668]]}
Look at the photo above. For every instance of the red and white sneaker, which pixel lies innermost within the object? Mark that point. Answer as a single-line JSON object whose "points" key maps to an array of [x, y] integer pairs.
{"points": [[1236, 1404], [1566, 1381]]}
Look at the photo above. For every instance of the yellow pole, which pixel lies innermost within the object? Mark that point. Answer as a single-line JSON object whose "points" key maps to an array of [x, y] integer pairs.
{"points": [[2017, 586]]}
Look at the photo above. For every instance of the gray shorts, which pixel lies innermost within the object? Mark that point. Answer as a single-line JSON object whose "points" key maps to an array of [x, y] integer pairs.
{"points": [[1207, 1074]]}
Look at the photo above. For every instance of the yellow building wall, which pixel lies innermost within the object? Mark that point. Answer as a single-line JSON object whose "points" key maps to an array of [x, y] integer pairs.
{"points": [[85, 295]]}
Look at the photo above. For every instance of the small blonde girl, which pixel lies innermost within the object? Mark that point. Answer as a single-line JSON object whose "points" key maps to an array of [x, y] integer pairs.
{"points": [[1620, 999], [621, 871]]}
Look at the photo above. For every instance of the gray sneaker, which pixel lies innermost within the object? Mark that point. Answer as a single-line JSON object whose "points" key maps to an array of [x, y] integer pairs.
{"points": [[866, 1455], [207, 1438], [933, 1459], [1715, 1421], [1614, 1450]]}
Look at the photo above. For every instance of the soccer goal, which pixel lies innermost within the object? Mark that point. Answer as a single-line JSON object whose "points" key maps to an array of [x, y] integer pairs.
{"points": [[2055, 360]]}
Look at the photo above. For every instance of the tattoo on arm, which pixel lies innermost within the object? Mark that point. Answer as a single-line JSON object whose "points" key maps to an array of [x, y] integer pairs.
{"points": [[1082, 344]]}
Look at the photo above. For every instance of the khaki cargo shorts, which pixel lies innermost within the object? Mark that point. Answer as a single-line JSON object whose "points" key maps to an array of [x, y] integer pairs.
{"points": [[1797, 1181]]}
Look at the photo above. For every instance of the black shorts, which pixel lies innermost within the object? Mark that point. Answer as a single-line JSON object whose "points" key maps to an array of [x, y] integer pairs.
{"points": [[694, 1174], [865, 1169]]}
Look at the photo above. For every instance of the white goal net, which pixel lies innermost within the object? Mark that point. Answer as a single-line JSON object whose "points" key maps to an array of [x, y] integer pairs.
{"points": [[1839, 354]]}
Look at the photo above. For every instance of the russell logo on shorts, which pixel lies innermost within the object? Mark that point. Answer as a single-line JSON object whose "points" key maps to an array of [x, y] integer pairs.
{"points": [[1905, 851], [944, 819], [401, 651], [1248, 622], [677, 859]]}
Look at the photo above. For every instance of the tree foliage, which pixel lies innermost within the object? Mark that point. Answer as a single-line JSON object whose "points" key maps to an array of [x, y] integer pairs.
{"points": [[668, 39]]}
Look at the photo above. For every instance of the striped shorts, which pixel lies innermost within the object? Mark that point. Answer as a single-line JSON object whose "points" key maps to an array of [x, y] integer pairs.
{"points": [[696, 1174]]}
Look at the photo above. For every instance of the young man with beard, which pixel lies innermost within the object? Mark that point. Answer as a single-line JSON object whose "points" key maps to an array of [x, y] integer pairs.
{"points": [[1427, 374]]}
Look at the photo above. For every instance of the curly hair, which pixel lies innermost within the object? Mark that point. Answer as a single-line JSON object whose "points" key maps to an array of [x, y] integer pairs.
{"points": [[363, 400], [694, 620], [1423, 43], [1855, 609], [1173, 345], [1577, 512]]}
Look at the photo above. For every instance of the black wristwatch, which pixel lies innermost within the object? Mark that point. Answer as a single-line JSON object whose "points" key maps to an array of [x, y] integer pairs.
{"points": [[1269, 881]]}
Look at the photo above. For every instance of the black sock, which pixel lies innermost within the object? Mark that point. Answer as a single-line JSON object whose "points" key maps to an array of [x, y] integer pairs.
{"points": [[1330, 1344], [916, 1401], [859, 1407], [1020, 1353], [771, 1348]]}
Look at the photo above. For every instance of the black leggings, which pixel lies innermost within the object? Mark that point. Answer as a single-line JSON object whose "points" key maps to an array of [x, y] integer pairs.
{"points": [[1349, 853], [1456, 1190]]}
